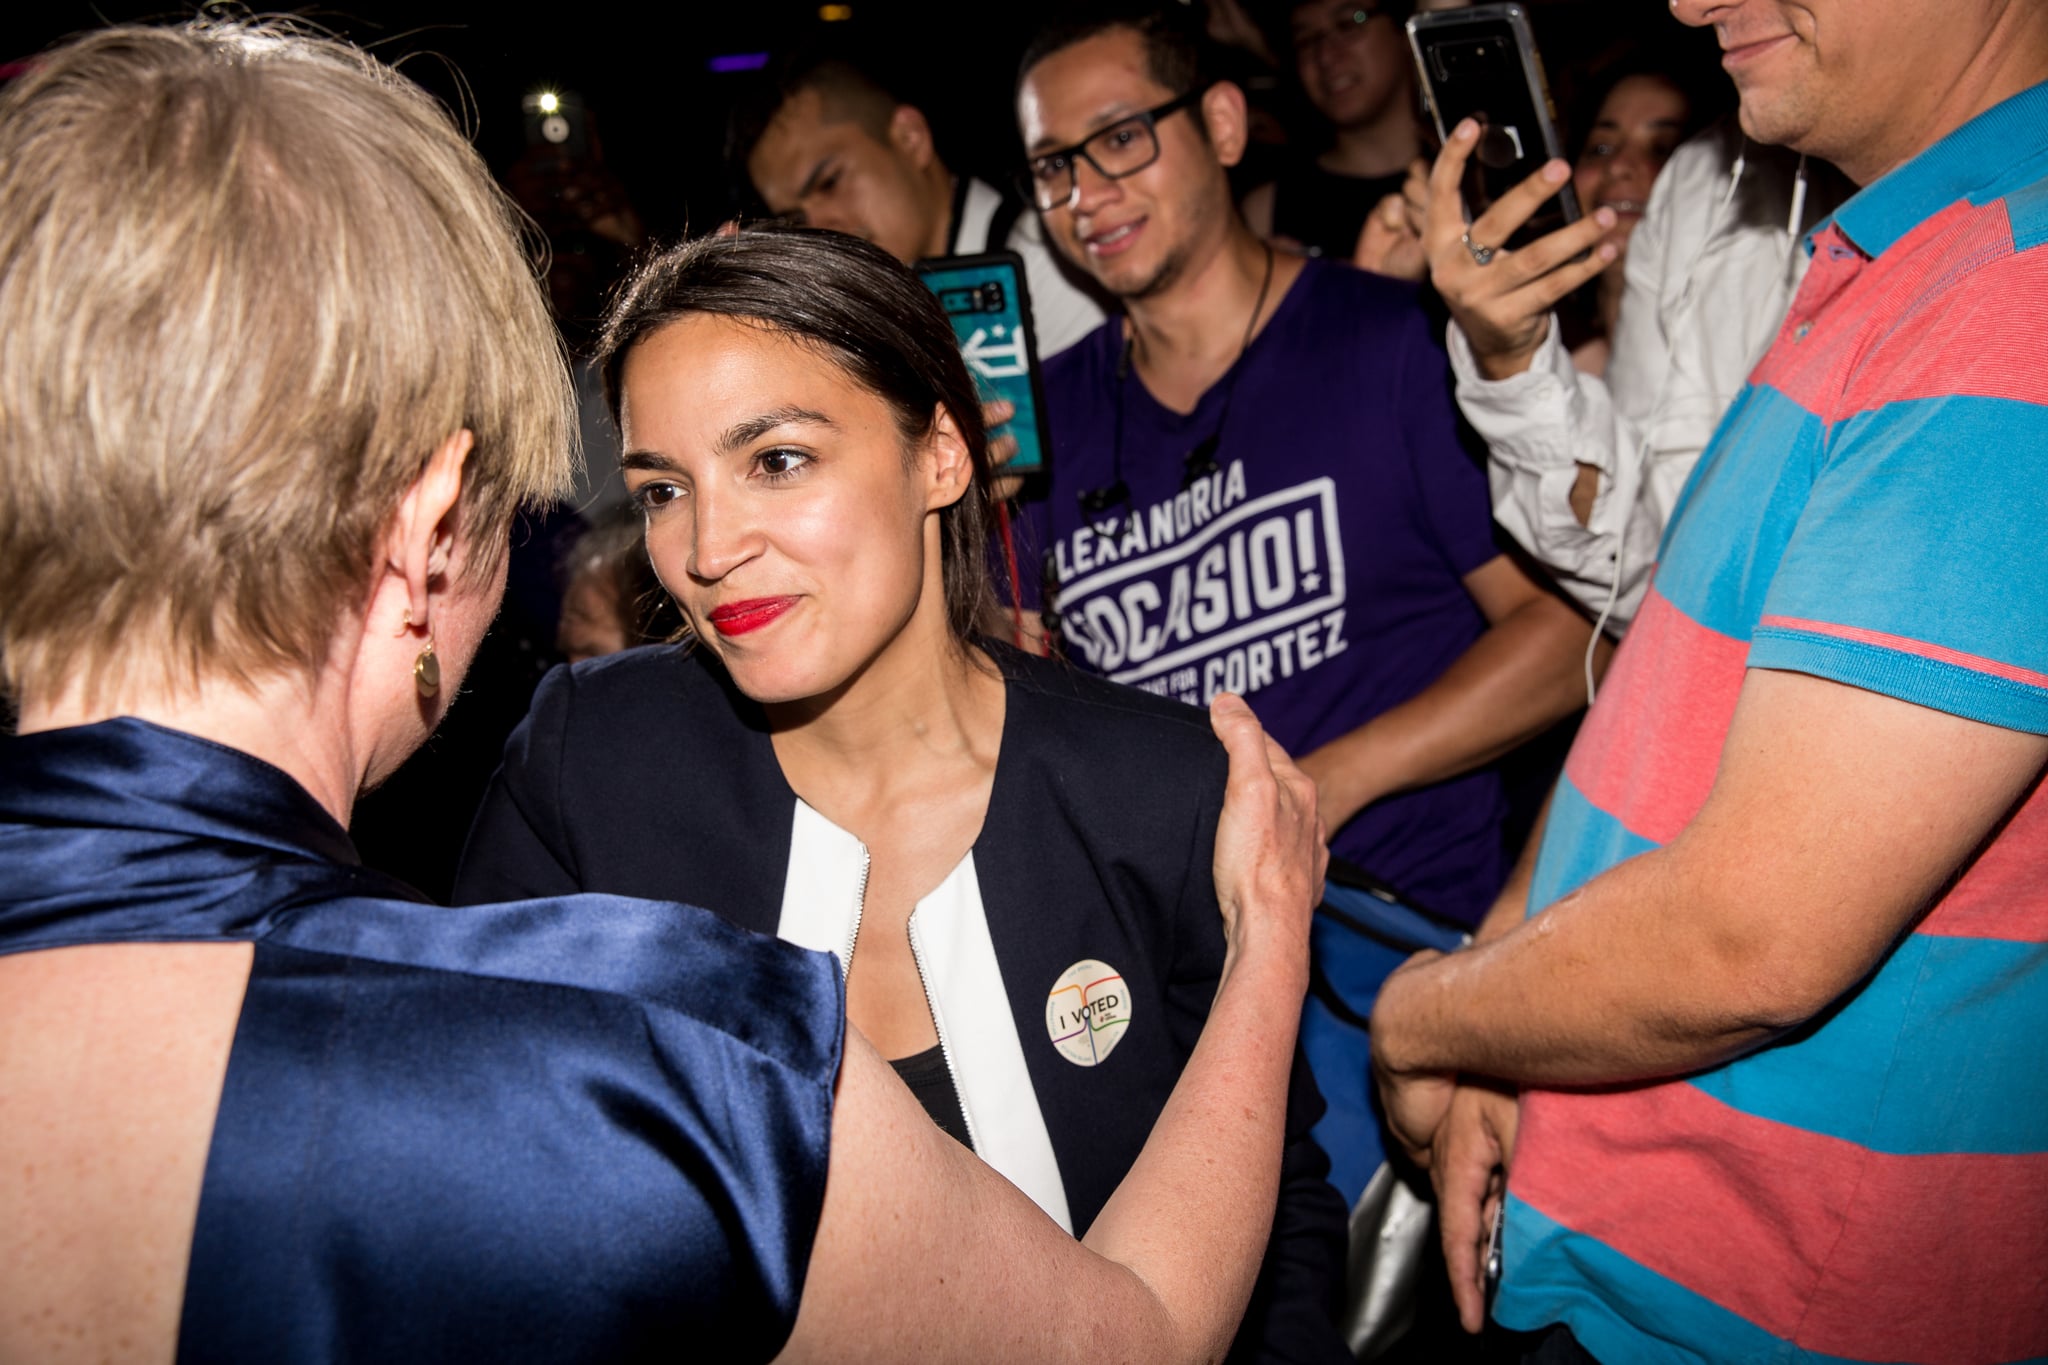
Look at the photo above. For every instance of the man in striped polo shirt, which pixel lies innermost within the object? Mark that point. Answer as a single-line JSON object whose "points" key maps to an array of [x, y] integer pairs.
{"points": [[1778, 1023]]}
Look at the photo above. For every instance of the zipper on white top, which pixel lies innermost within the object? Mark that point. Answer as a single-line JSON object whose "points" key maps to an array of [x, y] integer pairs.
{"points": [[931, 1003], [860, 901]]}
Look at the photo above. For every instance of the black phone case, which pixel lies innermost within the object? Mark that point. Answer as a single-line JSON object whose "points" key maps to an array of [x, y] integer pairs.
{"points": [[1482, 63]]}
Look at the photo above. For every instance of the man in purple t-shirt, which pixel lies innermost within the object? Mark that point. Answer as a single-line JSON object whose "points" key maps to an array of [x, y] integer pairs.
{"points": [[1258, 483]]}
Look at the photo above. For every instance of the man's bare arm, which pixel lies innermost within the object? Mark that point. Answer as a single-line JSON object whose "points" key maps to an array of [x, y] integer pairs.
{"points": [[1836, 818], [1524, 674]]}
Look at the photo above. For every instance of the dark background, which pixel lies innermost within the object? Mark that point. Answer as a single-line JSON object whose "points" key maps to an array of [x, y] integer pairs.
{"points": [[660, 113]]}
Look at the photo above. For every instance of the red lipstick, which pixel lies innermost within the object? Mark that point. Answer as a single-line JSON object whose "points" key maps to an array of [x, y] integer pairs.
{"points": [[738, 618]]}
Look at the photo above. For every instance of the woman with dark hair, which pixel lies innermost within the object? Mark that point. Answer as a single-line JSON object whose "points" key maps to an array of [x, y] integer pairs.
{"points": [[1010, 861], [1641, 116]]}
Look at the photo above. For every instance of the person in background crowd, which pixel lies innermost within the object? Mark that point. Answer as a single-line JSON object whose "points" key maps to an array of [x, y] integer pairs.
{"points": [[1641, 116], [1787, 960], [827, 145], [1586, 468], [1261, 486], [1354, 65], [1586, 463], [1637, 123], [263, 1104], [613, 600]]}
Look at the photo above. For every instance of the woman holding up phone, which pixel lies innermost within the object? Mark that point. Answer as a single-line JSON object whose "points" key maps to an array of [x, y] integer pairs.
{"points": [[1010, 860]]}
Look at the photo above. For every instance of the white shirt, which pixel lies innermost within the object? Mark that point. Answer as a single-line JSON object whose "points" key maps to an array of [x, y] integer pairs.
{"points": [[1062, 312], [1708, 280]]}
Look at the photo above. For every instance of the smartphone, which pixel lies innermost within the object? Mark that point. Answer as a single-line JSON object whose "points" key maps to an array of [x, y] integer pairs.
{"points": [[1494, 1259], [1481, 63], [990, 307]]}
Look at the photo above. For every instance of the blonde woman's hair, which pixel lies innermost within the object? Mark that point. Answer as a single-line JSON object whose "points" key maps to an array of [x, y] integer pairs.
{"points": [[250, 279]]}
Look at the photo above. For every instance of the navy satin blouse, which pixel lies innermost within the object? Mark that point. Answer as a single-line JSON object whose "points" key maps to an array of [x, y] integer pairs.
{"points": [[552, 1130]]}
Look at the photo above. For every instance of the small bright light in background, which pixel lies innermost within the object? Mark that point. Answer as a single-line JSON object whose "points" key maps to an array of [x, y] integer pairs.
{"points": [[833, 14], [738, 61], [550, 102]]}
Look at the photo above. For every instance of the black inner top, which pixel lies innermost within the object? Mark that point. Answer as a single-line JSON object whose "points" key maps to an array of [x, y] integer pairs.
{"points": [[1325, 211], [929, 1080]]}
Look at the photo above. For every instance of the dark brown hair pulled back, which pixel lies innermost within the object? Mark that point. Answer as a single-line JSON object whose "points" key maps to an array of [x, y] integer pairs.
{"points": [[859, 307]]}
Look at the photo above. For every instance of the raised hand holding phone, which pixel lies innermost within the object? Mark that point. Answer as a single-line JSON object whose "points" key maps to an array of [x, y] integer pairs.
{"points": [[1502, 298]]}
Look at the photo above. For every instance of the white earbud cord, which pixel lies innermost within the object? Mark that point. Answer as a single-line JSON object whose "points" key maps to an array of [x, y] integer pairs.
{"points": [[1679, 317]]}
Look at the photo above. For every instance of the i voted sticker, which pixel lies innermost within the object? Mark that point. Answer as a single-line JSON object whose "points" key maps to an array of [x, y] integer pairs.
{"points": [[1087, 1011]]}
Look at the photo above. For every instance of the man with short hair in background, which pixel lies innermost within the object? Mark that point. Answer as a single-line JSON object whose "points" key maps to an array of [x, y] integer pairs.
{"points": [[1258, 483], [1776, 1021], [830, 146]]}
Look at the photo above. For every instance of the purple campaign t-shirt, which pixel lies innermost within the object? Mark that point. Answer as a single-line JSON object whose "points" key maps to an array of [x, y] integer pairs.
{"points": [[1317, 571]]}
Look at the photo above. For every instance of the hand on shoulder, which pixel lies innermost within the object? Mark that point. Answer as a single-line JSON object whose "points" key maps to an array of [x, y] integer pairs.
{"points": [[1271, 848]]}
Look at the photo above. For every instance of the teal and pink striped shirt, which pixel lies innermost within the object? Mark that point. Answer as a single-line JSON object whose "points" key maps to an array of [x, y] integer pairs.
{"points": [[1873, 510]]}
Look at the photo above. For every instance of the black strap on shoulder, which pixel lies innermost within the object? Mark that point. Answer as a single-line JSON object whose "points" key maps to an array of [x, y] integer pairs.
{"points": [[1009, 208], [1008, 211], [954, 246]]}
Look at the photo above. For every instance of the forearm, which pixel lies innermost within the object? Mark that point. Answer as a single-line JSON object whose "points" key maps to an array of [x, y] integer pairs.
{"points": [[1164, 1273], [1549, 416], [1520, 677], [1193, 1214], [1837, 815], [1213, 1161], [1619, 981], [1298, 1296]]}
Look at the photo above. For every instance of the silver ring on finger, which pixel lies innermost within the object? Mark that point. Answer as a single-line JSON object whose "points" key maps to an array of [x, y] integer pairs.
{"points": [[1481, 255]]}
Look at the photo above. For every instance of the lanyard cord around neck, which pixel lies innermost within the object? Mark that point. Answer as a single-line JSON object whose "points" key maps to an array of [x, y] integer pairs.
{"points": [[1199, 461]]}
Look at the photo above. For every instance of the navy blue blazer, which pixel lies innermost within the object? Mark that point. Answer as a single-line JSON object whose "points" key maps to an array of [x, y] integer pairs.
{"points": [[648, 774]]}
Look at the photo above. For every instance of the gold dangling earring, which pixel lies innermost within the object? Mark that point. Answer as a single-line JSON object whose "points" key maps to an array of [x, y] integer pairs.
{"points": [[426, 672], [426, 668]]}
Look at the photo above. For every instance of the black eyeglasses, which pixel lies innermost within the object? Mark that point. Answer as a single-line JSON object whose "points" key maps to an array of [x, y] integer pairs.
{"points": [[1123, 148]]}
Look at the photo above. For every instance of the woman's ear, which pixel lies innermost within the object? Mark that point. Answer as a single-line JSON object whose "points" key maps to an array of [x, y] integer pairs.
{"points": [[1228, 119], [948, 468], [421, 544]]}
